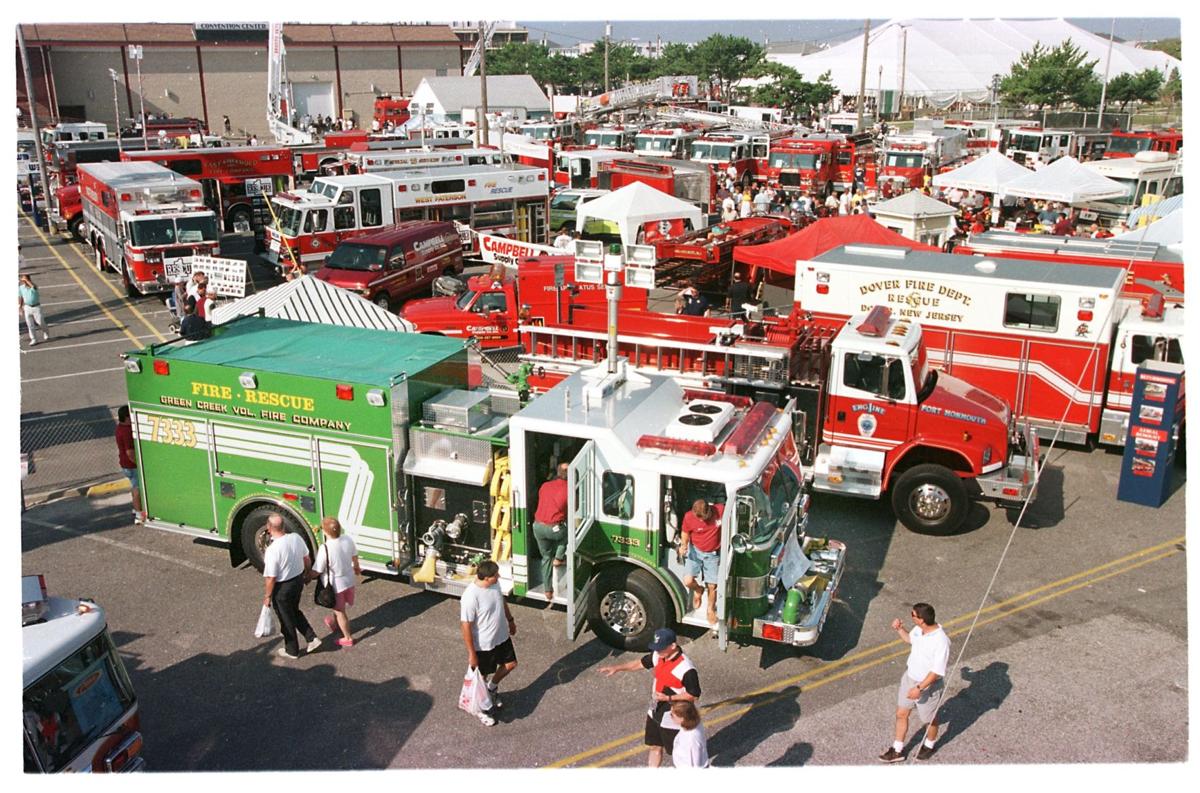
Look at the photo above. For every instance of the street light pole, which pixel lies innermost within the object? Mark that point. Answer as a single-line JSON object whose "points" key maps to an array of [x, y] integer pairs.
{"points": [[995, 99], [862, 80], [117, 110], [135, 52], [1107, 62], [37, 136]]}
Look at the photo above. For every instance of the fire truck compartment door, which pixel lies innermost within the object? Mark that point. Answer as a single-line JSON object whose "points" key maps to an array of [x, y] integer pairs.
{"points": [[844, 469], [581, 514], [174, 448], [356, 489]]}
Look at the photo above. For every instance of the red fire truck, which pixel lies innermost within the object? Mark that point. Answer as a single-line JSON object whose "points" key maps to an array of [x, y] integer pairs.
{"points": [[512, 200], [690, 181], [369, 161], [745, 151], [237, 181], [551, 132], [907, 158], [877, 419], [139, 216], [1055, 340], [612, 136], [1127, 144], [665, 142], [66, 206], [821, 162], [312, 159], [391, 108]]}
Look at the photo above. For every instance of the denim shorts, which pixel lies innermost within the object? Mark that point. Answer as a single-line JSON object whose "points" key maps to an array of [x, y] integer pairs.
{"points": [[702, 564], [131, 475]]}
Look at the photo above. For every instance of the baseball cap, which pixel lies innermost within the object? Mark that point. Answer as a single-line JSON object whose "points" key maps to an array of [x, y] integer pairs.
{"points": [[663, 638]]}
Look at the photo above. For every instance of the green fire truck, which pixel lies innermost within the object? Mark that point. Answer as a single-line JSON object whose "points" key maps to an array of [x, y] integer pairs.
{"points": [[430, 475]]}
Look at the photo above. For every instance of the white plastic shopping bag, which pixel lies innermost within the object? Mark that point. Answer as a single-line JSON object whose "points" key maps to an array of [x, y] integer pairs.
{"points": [[474, 697], [266, 623]]}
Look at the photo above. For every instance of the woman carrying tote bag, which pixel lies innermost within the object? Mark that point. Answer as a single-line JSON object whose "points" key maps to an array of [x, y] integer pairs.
{"points": [[338, 561]]}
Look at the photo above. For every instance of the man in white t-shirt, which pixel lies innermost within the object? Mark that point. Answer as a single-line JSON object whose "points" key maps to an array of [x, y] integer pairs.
{"points": [[487, 629], [285, 567], [921, 684]]}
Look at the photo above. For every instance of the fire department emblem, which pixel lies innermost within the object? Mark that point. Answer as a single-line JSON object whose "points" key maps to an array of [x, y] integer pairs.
{"points": [[1082, 330], [867, 425]]}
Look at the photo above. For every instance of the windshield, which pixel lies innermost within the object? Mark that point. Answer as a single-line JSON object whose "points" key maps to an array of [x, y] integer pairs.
{"points": [[322, 187], [564, 201], [169, 231], [906, 160], [1124, 145], [722, 152], [198, 228], [289, 219], [464, 300], [76, 703], [656, 143], [351, 256], [610, 139], [803, 162], [759, 512], [1026, 142], [540, 133], [1126, 198]]}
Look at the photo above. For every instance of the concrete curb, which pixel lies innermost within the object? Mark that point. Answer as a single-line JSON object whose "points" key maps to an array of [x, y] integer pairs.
{"points": [[108, 488], [102, 489]]}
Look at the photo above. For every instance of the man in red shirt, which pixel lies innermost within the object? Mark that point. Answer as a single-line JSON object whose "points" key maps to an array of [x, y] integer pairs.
{"points": [[1064, 227], [127, 459], [702, 545], [549, 527]]}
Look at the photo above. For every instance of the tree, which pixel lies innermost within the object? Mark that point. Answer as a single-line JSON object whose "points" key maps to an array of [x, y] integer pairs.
{"points": [[787, 89], [676, 58], [726, 59], [1173, 47], [1045, 76], [1172, 90], [1144, 86]]}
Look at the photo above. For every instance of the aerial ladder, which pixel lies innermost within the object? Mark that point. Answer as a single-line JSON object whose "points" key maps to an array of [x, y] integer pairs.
{"points": [[279, 93], [637, 94], [720, 120], [484, 42]]}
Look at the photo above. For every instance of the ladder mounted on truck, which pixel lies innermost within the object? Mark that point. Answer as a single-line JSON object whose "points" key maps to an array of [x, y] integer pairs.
{"points": [[634, 94], [483, 43], [279, 93], [721, 120]]}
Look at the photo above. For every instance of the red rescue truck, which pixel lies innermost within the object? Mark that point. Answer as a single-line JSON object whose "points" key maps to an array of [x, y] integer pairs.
{"points": [[876, 417], [237, 180], [390, 108], [511, 200], [1127, 144], [907, 158], [139, 216], [1055, 340], [821, 162], [693, 182], [743, 150]]}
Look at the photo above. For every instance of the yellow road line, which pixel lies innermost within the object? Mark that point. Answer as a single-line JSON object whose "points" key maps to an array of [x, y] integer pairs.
{"points": [[136, 342], [848, 660], [75, 246]]}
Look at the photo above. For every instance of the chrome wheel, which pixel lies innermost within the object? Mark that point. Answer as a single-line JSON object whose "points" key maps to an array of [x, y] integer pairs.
{"points": [[930, 502], [623, 612]]}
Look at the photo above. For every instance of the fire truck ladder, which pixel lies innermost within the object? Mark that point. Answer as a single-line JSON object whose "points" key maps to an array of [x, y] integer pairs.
{"points": [[279, 93], [565, 350], [630, 95], [719, 120], [483, 43]]}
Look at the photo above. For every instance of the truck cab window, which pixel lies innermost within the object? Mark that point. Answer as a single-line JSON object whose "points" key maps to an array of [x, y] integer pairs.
{"points": [[316, 220], [343, 217], [617, 495], [896, 388], [1155, 348], [863, 371], [492, 301], [371, 205]]}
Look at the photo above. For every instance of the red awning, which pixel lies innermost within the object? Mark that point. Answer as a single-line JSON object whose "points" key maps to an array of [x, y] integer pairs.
{"points": [[824, 235]]}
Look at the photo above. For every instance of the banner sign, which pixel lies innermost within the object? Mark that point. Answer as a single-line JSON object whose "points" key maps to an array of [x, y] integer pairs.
{"points": [[509, 252], [226, 277]]}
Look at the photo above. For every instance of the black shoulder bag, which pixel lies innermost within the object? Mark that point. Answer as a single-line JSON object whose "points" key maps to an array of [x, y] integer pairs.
{"points": [[324, 595]]}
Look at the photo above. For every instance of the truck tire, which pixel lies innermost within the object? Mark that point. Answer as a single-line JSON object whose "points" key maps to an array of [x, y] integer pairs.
{"points": [[76, 228], [629, 606], [930, 499], [127, 281], [254, 532], [238, 215]]}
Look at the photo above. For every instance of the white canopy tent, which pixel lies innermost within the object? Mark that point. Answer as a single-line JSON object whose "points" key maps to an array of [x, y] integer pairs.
{"points": [[309, 299], [946, 60], [988, 174], [1067, 181], [634, 205]]}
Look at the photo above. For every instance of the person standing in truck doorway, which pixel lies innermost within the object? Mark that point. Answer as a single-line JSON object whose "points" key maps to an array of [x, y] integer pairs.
{"points": [[701, 547], [921, 684], [550, 527]]}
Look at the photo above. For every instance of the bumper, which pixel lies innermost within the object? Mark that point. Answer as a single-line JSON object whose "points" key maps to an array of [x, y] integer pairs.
{"points": [[1017, 481], [807, 629], [1114, 425]]}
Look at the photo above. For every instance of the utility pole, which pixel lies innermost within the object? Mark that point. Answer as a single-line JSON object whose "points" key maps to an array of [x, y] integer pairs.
{"points": [[862, 80], [135, 52], [1107, 62], [903, 74], [483, 129], [37, 133], [607, 35], [116, 109]]}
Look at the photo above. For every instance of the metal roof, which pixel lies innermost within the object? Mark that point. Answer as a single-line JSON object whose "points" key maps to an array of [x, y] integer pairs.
{"points": [[903, 260], [293, 34], [913, 204], [510, 90], [306, 349]]}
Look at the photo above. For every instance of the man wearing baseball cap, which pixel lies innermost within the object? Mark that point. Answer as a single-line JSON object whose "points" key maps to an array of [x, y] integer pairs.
{"points": [[675, 680]]}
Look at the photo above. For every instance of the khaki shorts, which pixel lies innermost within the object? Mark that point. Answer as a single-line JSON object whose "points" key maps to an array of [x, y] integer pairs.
{"points": [[926, 706]]}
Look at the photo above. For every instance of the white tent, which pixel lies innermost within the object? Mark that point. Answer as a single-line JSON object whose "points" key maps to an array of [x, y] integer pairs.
{"points": [[988, 174], [1158, 209], [1167, 231], [635, 204], [1065, 180], [954, 59], [309, 299]]}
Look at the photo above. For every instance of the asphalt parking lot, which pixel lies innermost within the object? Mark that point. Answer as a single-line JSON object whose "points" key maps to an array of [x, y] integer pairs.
{"points": [[1079, 654]]}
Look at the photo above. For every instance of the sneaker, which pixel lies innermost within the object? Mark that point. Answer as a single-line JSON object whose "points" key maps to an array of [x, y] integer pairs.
{"points": [[892, 756], [494, 693], [344, 642], [283, 653], [32, 342], [926, 752], [314, 644], [486, 720]]}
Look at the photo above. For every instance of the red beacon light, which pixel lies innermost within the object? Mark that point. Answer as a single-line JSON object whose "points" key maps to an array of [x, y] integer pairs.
{"points": [[161, 367], [876, 322], [345, 392], [1153, 307]]}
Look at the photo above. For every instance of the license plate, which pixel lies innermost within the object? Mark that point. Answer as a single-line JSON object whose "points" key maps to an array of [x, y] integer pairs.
{"points": [[274, 245]]}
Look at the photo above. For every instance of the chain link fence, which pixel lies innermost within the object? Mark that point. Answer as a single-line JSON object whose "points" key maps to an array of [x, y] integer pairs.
{"points": [[67, 450]]}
